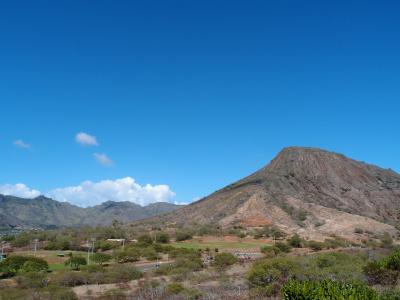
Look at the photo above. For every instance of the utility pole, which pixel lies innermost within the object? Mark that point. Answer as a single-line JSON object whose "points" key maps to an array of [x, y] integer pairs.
{"points": [[88, 252], [155, 241], [93, 240], [35, 248], [2, 250]]}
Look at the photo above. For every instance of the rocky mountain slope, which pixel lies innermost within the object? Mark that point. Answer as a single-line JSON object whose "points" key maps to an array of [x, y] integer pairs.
{"points": [[305, 190], [42, 212]]}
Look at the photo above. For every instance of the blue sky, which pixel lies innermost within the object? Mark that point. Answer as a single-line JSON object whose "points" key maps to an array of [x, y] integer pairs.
{"points": [[191, 94]]}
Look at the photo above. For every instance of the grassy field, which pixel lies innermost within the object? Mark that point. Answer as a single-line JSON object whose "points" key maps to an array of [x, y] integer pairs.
{"points": [[49, 255], [57, 267]]}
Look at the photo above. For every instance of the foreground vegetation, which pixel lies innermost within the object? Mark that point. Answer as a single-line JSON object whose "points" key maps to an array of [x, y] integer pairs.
{"points": [[196, 263]]}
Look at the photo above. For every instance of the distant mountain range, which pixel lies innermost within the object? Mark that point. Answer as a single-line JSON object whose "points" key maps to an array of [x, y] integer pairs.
{"points": [[305, 190], [43, 212]]}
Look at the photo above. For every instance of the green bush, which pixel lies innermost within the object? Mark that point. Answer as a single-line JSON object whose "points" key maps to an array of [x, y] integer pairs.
{"points": [[150, 253], [390, 295], [267, 272], [270, 251], [283, 247], [101, 258], [327, 290], [16, 263], [21, 240], [162, 237], [105, 245], [145, 240], [377, 273], [316, 246], [183, 236], [174, 288], [130, 254], [224, 260], [392, 262], [122, 273], [295, 241]]}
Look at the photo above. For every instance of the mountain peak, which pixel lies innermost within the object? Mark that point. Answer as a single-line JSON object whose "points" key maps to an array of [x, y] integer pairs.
{"points": [[304, 189]]}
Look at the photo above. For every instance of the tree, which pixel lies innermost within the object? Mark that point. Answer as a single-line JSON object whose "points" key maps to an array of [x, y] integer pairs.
{"points": [[75, 262], [15, 263], [35, 265], [101, 258], [21, 240]]}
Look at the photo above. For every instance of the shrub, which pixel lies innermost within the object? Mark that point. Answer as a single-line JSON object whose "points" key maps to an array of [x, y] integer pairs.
{"points": [[21, 240], [100, 258], [127, 255], [14, 294], [183, 236], [224, 260], [283, 247], [105, 245], [327, 289], [145, 240], [123, 273], [31, 280], [335, 243], [58, 293], [295, 241], [386, 240], [270, 251], [268, 272], [174, 288], [150, 254], [114, 294], [316, 246], [392, 262], [162, 237], [69, 278], [377, 274], [390, 295], [15, 263]]}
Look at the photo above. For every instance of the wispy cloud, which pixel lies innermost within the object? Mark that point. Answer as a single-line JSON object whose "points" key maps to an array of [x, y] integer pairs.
{"points": [[21, 144], [86, 139], [103, 159]]}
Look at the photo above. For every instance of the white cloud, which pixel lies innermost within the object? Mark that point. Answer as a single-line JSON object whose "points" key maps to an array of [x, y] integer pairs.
{"points": [[86, 139], [90, 193], [21, 144], [18, 190], [103, 159]]}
